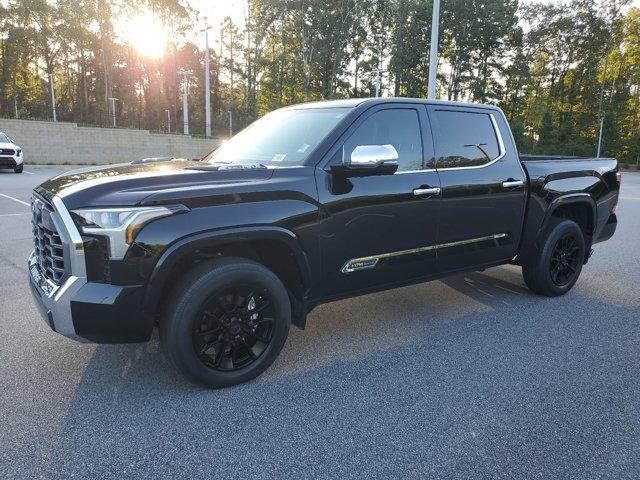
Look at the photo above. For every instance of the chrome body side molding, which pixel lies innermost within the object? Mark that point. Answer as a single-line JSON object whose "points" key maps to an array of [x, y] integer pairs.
{"points": [[366, 263]]}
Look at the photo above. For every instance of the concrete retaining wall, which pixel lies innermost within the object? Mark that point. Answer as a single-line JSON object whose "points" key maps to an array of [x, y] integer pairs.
{"points": [[49, 142]]}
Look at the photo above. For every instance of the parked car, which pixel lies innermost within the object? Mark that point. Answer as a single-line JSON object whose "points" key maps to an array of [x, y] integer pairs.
{"points": [[10, 154], [311, 203]]}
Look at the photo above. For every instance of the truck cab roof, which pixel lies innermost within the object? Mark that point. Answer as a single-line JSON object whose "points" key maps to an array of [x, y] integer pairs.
{"points": [[370, 101]]}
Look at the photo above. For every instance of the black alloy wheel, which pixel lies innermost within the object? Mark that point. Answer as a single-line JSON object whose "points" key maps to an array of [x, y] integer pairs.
{"points": [[226, 321], [235, 327], [565, 260], [554, 269]]}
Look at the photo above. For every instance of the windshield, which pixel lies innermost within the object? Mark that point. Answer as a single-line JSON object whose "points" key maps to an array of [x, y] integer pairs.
{"points": [[4, 138], [283, 138]]}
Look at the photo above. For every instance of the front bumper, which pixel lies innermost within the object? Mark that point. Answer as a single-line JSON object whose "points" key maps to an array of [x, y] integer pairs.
{"points": [[54, 302], [10, 161], [82, 310]]}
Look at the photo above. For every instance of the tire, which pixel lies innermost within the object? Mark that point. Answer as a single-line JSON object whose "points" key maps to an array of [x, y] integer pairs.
{"points": [[209, 329], [541, 273], [18, 169]]}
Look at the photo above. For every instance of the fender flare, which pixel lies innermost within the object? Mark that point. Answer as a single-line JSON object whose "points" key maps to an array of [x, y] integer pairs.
{"points": [[567, 199], [189, 244]]}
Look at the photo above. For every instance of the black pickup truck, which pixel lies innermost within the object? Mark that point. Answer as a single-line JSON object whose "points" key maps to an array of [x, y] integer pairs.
{"points": [[311, 203]]}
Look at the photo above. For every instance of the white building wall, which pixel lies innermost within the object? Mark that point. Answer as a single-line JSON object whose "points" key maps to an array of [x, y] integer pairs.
{"points": [[60, 142]]}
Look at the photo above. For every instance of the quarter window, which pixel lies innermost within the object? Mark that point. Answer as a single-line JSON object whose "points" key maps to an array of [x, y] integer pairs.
{"points": [[399, 127], [466, 139]]}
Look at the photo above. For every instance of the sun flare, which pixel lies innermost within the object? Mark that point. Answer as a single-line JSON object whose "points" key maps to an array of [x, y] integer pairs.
{"points": [[146, 34]]}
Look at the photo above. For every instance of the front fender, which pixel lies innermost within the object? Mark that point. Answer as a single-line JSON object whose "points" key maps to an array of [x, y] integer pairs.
{"points": [[186, 246]]}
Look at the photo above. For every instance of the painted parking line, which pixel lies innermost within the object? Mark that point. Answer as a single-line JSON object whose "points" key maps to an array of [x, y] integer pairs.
{"points": [[14, 199], [28, 173], [12, 214]]}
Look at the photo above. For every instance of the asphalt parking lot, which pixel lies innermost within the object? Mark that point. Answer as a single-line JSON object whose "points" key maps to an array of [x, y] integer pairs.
{"points": [[470, 377]]}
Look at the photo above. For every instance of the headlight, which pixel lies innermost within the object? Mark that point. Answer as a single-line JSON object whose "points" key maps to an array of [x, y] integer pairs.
{"points": [[120, 225], [18, 152]]}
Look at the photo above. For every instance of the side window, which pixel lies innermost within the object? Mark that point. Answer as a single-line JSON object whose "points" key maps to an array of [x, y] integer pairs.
{"points": [[466, 139], [399, 127]]}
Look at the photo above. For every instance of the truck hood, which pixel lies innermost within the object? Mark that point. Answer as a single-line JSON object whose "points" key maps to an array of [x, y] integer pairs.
{"points": [[153, 183], [8, 145]]}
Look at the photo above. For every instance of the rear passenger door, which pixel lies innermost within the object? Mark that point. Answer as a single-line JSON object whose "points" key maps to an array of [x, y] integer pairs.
{"points": [[483, 187]]}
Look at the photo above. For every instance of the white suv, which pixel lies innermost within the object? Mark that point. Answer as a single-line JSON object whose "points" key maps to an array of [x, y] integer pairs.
{"points": [[10, 154]]}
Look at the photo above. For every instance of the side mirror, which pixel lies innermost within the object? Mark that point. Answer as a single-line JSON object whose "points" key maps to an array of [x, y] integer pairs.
{"points": [[368, 160]]}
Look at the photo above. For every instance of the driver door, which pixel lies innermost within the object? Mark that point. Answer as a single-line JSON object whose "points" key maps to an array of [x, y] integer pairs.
{"points": [[380, 230]]}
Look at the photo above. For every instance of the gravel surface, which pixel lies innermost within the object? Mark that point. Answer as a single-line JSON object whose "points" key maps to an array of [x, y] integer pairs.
{"points": [[470, 377]]}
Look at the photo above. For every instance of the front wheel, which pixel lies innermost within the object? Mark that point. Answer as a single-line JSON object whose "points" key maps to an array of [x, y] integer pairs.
{"points": [[18, 169], [227, 322], [557, 265]]}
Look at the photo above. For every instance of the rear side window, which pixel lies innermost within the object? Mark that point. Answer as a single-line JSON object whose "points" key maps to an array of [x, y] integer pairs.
{"points": [[399, 127], [466, 139]]}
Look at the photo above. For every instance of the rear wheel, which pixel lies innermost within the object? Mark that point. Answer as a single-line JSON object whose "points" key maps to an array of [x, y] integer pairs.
{"points": [[557, 265], [227, 322]]}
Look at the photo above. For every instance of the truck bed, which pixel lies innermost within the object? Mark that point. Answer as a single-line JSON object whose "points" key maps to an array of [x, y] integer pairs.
{"points": [[550, 167]]}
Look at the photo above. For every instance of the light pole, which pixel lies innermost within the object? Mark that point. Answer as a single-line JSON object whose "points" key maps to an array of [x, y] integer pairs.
{"points": [[168, 120], [53, 98], [185, 103], [376, 80], [433, 50], [207, 84], [230, 124], [113, 109], [600, 136]]}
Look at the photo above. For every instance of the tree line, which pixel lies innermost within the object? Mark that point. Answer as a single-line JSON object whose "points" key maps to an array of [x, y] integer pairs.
{"points": [[559, 71]]}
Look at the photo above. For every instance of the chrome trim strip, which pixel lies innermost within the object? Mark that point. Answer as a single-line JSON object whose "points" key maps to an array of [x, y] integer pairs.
{"points": [[76, 246], [365, 263], [400, 172], [503, 150]]}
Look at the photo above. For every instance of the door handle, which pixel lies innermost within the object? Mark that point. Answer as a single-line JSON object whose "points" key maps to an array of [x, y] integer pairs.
{"points": [[513, 183], [426, 191]]}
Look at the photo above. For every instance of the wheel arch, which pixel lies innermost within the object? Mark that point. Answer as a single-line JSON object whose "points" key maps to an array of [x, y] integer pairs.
{"points": [[274, 247], [579, 207]]}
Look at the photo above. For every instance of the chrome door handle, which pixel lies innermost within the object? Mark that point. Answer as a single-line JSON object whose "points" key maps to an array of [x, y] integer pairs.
{"points": [[515, 183], [426, 191]]}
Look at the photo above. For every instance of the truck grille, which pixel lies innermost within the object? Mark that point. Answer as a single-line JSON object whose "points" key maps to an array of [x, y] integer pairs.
{"points": [[48, 244], [7, 151]]}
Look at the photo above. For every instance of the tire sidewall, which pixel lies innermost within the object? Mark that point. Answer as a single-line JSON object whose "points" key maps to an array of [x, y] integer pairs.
{"points": [[184, 314], [556, 233]]}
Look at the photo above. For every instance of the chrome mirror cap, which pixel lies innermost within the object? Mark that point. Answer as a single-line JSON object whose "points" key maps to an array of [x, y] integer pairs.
{"points": [[373, 155]]}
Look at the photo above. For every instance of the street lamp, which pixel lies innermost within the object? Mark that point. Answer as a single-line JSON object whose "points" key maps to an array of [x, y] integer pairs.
{"points": [[433, 50], [113, 109], [53, 98], [207, 84], [185, 104], [376, 73]]}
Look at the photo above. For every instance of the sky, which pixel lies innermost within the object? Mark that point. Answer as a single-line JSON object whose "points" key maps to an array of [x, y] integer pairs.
{"points": [[216, 10], [148, 35]]}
